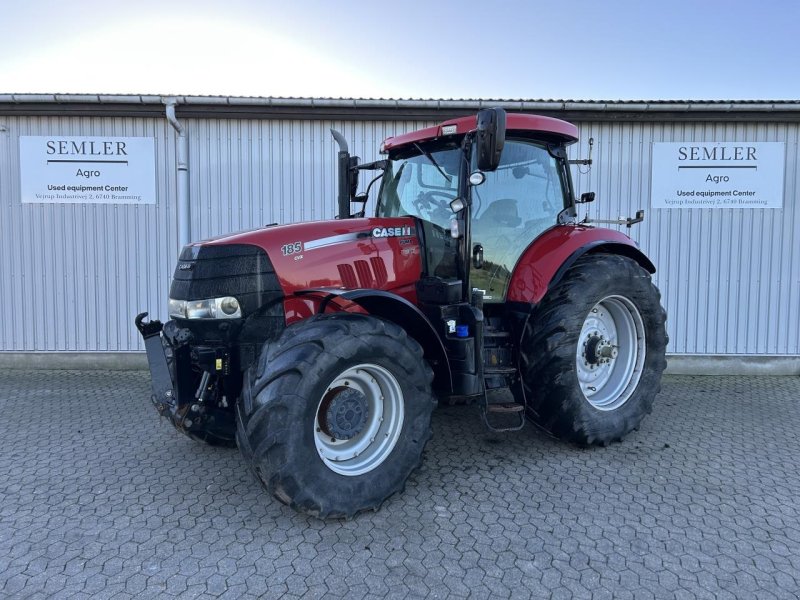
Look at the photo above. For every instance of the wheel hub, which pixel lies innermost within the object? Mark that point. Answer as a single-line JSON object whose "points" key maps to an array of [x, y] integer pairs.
{"points": [[346, 413], [598, 350]]}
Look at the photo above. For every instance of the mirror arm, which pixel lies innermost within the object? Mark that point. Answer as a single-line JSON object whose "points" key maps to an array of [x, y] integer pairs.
{"points": [[627, 221], [377, 165], [584, 161]]}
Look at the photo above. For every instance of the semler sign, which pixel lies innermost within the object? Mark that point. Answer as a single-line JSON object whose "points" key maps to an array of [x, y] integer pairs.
{"points": [[717, 175], [93, 170]]}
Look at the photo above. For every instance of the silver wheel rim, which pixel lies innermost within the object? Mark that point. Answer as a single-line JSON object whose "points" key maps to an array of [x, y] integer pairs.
{"points": [[379, 391], [611, 353]]}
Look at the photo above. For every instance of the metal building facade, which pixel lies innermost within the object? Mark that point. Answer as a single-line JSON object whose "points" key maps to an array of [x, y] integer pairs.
{"points": [[80, 272], [75, 275]]}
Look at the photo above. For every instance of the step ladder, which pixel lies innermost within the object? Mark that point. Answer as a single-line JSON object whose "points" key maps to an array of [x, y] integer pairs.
{"points": [[499, 409]]}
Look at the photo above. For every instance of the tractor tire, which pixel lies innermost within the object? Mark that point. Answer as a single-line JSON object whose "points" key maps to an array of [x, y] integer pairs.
{"points": [[593, 351], [335, 414]]}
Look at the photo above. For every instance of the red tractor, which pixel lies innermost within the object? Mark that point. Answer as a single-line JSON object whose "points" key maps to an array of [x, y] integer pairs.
{"points": [[321, 349]]}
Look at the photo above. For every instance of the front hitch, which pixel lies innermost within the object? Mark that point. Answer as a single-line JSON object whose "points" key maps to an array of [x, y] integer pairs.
{"points": [[163, 396]]}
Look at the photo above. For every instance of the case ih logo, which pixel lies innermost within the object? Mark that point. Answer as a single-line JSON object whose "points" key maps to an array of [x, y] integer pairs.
{"points": [[391, 231]]}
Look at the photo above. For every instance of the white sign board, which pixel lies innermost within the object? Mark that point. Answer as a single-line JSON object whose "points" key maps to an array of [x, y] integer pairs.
{"points": [[94, 170], [717, 175]]}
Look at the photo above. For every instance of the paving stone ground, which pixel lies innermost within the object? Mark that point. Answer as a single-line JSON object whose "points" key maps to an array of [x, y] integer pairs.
{"points": [[101, 499]]}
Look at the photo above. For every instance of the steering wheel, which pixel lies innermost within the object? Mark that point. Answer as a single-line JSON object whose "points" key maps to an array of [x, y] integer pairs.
{"points": [[434, 206], [433, 200]]}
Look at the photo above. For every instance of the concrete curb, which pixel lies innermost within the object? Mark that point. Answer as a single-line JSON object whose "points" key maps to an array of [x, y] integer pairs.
{"points": [[677, 364], [683, 364], [109, 361]]}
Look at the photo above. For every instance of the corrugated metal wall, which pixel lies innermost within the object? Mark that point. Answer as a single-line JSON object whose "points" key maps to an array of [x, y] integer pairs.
{"points": [[74, 276], [247, 173]]}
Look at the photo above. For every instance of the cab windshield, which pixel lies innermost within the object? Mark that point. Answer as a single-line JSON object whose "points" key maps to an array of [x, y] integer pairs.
{"points": [[421, 186]]}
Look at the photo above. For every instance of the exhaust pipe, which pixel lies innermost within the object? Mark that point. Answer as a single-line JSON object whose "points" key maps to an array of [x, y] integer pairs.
{"points": [[348, 176], [343, 192]]}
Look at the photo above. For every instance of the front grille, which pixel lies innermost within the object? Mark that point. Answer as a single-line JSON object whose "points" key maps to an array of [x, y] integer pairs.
{"points": [[238, 270]]}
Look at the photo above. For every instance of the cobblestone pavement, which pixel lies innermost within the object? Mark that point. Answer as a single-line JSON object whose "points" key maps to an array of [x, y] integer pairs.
{"points": [[99, 498]]}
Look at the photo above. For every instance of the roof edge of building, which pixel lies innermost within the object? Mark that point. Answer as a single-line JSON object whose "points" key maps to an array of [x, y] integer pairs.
{"points": [[387, 109]]}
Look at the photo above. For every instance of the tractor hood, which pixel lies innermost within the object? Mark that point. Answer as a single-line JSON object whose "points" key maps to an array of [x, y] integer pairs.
{"points": [[377, 253]]}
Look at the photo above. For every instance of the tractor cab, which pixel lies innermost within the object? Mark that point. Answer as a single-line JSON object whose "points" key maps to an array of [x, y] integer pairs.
{"points": [[480, 199]]}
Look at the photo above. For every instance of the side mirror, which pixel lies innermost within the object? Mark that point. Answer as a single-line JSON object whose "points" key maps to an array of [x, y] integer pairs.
{"points": [[490, 137], [362, 199], [457, 205], [586, 197], [353, 179], [347, 184]]}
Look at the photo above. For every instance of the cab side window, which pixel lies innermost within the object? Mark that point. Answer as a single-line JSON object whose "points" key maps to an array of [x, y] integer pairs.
{"points": [[417, 187], [514, 205]]}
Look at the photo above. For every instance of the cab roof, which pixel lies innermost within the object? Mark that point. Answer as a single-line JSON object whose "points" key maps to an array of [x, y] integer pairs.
{"points": [[566, 132]]}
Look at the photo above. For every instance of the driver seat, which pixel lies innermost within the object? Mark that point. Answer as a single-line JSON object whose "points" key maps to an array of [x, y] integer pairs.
{"points": [[500, 213]]}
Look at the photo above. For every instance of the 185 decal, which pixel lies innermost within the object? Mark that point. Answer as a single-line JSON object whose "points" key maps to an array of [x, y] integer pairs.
{"points": [[292, 248]]}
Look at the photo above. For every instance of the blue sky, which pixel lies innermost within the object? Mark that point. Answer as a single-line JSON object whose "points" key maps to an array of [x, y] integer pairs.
{"points": [[408, 49]]}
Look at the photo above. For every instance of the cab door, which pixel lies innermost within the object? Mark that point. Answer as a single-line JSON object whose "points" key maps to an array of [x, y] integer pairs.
{"points": [[423, 186], [511, 208]]}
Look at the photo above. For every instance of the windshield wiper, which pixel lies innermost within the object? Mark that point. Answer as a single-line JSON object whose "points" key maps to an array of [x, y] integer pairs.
{"points": [[429, 156]]}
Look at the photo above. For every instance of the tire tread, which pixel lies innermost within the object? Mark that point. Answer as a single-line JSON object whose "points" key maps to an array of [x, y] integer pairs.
{"points": [[272, 389], [547, 354]]}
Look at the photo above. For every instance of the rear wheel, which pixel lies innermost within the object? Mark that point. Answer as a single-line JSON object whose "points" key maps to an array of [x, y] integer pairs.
{"points": [[593, 351], [335, 414]]}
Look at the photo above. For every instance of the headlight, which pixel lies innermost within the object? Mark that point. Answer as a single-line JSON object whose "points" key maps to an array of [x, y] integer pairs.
{"points": [[177, 308], [226, 307]]}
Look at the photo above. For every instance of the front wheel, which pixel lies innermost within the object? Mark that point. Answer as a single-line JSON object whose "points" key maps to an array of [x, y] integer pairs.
{"points": [[335, 414], [593, 351]]}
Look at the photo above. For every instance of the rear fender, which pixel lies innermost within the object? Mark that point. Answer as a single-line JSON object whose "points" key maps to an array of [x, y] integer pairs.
{"points": [[549, 257], [385, 305]]}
